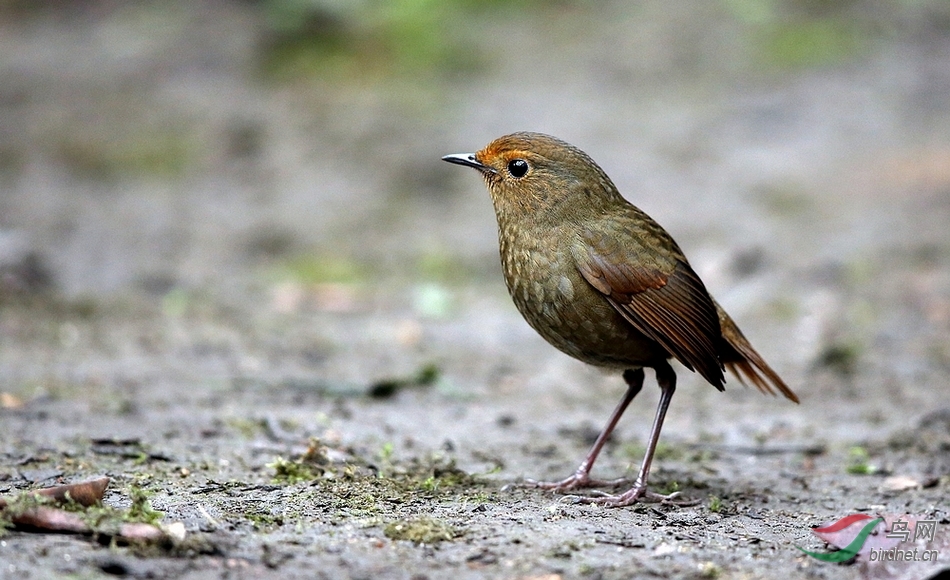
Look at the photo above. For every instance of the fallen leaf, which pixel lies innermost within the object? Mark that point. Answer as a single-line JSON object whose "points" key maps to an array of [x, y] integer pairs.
{"points": [[51, 519], [87, 493], [45, 516]]}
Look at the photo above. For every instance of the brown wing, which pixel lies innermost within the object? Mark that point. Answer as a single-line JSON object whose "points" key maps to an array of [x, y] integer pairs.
{"points": [[660, 296]]}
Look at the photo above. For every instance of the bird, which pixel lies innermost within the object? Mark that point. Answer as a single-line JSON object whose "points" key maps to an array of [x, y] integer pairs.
{"points": [[603, 282]]}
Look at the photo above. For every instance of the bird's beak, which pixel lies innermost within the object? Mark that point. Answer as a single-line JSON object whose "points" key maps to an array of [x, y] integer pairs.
{"points": [[468, 160]]}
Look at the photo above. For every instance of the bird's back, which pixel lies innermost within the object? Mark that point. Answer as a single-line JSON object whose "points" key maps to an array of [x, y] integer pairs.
{"points": [[546, 282]]}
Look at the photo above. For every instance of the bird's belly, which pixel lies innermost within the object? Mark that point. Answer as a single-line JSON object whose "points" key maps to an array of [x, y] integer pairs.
{"points": [[577, 319]]}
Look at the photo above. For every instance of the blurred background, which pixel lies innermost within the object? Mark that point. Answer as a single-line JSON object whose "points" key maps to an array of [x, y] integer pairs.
{"points": [[260, 160], [225, 230]]}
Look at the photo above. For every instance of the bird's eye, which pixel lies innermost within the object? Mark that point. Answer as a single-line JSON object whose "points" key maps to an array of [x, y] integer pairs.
{"points": [[517, 167]]}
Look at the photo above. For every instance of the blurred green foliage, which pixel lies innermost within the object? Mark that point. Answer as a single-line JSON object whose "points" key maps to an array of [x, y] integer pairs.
{"points": [[790, 34], [804, 33], [813, 43], [841, 358], [164, 153], [371, 37], [305, 38], [319, 269], [407, 44]]}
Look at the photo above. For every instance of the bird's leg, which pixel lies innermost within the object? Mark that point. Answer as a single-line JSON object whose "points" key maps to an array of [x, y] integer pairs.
{"points": [[581, 477], [666, 379]]}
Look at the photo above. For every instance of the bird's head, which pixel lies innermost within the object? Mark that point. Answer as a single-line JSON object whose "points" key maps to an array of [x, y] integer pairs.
{"points": [[536, 173]]}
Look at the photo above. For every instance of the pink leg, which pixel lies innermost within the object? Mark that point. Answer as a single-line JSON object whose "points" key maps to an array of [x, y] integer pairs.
{"points": [[666, 378], [581, 477]]}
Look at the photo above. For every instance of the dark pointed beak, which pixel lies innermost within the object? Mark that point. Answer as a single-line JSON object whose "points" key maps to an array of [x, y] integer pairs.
{"points": [[468, 160]]}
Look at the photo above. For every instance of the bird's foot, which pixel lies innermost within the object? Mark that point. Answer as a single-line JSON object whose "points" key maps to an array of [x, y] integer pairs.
{"points": [[637, 493], [579, 480], [629, 497]]}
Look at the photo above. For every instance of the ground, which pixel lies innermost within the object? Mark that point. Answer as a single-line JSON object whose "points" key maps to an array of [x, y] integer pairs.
{"points": [[270, 306]]}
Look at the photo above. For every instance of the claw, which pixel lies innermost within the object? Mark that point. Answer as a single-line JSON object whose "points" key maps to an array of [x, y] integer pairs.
{"points": [[636, 494], [629, 497], [577, 481]]}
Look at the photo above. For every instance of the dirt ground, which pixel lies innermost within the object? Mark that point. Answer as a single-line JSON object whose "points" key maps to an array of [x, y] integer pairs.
{"points": [[269, 305]]}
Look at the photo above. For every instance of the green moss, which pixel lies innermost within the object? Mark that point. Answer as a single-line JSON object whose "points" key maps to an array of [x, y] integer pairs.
{"points": [[264, 521], [422, 531], [361, 490], [670, 488], [386, 452], [293, 471], [859, 462], [308, 466], [444, 474], [141, 509], [430, 484]]}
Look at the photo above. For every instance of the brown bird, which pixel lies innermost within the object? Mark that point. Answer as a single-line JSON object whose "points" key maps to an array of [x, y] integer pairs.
{"points": [[604, 283]]}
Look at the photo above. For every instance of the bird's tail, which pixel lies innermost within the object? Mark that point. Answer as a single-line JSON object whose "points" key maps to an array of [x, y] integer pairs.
{"points": [[739, 358]]}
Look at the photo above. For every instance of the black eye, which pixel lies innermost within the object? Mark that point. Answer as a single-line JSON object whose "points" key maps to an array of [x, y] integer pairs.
{"points": [[517, 167]]}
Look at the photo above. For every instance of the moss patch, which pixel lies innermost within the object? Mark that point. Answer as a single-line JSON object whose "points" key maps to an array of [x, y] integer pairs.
{"points": [[421, 531]]}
